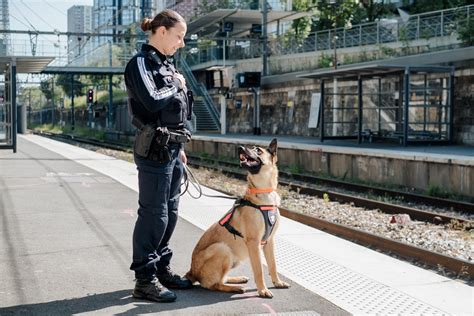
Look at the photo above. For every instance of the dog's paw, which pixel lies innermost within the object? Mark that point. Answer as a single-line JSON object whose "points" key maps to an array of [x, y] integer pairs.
{"points": [[281, 284], [265, 293], [240, 289]]}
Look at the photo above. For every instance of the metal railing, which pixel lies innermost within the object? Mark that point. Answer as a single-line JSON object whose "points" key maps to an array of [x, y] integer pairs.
{"points": [[417, 27], [200, 90]]}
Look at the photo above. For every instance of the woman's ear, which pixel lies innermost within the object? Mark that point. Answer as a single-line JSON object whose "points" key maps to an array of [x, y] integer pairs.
{"points": [[161, 30]]}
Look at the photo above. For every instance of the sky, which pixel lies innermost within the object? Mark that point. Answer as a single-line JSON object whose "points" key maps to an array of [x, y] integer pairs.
{"points": [[43, 15]]}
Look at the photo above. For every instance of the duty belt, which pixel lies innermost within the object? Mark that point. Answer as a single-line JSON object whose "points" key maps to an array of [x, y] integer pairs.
{"points": [[176, 137]]}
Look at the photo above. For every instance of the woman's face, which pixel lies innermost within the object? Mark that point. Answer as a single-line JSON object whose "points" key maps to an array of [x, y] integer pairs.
{"points": [[172, 39]]}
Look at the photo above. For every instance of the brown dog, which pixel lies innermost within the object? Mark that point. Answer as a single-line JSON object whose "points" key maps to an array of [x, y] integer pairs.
{"points": [[240, 234]]}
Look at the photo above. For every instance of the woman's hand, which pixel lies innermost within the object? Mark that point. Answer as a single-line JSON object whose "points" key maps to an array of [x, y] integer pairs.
{"points": [[181, 80], [183, 157]]}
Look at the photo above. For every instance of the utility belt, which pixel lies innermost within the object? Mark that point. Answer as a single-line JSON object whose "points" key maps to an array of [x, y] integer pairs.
{"points": [[153, 142]]}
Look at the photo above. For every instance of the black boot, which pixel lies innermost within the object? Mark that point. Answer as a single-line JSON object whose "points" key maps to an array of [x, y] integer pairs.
{"points": [[172, 280], [152, 291]]}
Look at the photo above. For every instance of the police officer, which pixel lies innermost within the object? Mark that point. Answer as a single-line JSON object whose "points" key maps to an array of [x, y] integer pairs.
{"points": [[158, 104]]}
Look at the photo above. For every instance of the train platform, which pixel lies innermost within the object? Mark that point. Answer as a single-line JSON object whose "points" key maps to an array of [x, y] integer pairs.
{"points": [[67, 216], [440, 153]]}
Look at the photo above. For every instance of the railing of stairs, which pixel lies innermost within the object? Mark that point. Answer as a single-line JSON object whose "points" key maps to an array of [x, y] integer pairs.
{"points": [[200, 90]]}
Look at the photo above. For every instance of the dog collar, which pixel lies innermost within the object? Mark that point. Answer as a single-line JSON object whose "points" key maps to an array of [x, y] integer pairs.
{"points": [[258, 191]]}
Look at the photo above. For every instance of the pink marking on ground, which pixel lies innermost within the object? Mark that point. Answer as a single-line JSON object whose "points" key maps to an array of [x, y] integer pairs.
{"points": [[270, 309], [129, 211]]}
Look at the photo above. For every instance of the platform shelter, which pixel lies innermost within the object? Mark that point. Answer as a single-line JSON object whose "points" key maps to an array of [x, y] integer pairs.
{"points": [[9, 68], [382, 102]]}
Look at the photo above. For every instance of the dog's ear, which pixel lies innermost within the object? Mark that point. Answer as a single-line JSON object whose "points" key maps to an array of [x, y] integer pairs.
{"points": [[272, 148]]}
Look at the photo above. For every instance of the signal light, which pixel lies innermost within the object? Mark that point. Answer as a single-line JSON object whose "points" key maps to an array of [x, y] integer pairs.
{"points": [[90, 95]]}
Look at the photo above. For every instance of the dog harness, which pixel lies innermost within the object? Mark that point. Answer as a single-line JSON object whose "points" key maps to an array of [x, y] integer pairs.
{"points": [[269, 213]]}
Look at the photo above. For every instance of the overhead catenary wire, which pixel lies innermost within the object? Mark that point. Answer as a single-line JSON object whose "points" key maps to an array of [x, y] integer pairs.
{"points": [[51, 6], [36, 14]]}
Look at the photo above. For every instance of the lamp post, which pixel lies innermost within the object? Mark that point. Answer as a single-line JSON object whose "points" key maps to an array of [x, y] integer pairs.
{"points": [[334, 43]]}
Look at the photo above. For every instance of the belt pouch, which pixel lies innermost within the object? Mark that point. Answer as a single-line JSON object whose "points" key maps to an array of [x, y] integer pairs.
{"points": [[143, 140]]}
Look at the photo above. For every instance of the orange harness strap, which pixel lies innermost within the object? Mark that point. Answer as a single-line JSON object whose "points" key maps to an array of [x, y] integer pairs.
{"points": [[258, 191]]}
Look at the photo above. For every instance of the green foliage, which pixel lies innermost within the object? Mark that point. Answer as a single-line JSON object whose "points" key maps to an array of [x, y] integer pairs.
{"points": [[325, 61], [64, 81], [421, 6], [45, 87], [436, 191], [466, 32], [78, 131], [335, 15], [294, 169], [387, 51], [371, 10], [301, 27]]}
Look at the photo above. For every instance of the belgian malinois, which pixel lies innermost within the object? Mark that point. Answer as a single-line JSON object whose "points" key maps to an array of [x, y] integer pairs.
{"points": [[250, 225]]}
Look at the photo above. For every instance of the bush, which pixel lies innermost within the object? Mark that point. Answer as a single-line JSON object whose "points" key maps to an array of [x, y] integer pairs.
{"points": [[466, 32]]}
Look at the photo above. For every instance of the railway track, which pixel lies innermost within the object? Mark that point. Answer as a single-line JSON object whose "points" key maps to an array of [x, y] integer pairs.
{"points": [[294, 179], [286, 179], [461, 268]]}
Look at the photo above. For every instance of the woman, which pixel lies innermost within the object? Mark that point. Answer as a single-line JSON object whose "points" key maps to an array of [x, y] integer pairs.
{"points": [[158, 105]]}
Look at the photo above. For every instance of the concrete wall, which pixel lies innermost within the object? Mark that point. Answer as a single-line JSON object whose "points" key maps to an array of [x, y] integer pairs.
{"points": [[410, 169]]}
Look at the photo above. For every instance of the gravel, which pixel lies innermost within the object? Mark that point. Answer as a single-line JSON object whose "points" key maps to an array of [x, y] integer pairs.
{"points": [[449, 239], [443, 239]]}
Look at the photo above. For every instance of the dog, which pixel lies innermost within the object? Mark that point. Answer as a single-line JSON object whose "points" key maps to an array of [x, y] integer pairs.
{"points": [[244, 230]]}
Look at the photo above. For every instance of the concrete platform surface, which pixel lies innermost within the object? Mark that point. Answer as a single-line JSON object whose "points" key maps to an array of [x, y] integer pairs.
{"points": [[67, 216]]}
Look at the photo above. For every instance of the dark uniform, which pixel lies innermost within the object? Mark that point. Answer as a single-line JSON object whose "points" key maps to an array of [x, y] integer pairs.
{"points": [[156, 99]]}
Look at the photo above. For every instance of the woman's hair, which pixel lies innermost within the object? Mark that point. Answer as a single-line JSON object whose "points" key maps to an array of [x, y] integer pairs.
{"points": [[167, 18]]}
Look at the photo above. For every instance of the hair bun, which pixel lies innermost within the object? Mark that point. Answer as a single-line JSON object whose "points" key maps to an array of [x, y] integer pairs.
{"points": [[146, 24]]}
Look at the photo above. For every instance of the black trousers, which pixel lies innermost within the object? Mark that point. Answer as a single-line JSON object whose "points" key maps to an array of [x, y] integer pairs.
{"points": [[158, 199]]}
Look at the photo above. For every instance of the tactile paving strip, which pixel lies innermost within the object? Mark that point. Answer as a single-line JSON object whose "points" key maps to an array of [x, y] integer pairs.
{"points": [[347, 289]]}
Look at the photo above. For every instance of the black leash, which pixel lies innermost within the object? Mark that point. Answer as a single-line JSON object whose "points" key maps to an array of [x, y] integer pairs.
{"points": [[189, 177]]}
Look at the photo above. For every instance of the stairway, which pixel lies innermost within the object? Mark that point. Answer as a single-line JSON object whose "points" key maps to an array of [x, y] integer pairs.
{"points": [[207, 116], [204, 120]]}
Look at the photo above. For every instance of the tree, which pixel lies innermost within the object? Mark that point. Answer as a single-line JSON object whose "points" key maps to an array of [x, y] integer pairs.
{"points": [[466, 32], [371, 10], [420, 6], [335, 14], [45, 87], [64, 81], [301, 27]]}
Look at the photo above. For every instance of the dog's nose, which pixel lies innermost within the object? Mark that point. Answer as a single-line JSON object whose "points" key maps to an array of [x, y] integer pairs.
{"points": [[241, 149]]}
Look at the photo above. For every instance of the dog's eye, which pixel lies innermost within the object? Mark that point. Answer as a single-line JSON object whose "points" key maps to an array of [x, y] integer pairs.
{"points": [[259, 151]]}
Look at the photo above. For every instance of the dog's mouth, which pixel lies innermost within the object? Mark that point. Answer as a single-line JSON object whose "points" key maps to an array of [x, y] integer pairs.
{"points": [[248, 161]]}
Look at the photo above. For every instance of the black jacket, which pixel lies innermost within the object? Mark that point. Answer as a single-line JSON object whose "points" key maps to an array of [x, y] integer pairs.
{"points": [[154, 95]]}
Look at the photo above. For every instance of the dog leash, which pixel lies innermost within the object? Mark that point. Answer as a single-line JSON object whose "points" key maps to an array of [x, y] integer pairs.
{"points": [[189, 178]]}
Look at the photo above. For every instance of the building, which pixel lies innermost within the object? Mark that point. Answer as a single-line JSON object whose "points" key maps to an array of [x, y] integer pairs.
{"points": [[79, 20], [117, 17], [4, 25]]}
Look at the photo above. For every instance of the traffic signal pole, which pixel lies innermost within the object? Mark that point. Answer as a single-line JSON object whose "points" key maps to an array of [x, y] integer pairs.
{"points": [[90, 102]]}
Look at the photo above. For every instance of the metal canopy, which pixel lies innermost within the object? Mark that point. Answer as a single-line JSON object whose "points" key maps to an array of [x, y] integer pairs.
{"points": [[372, 70], [84, 70], [26, 64], [242, 19]]}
